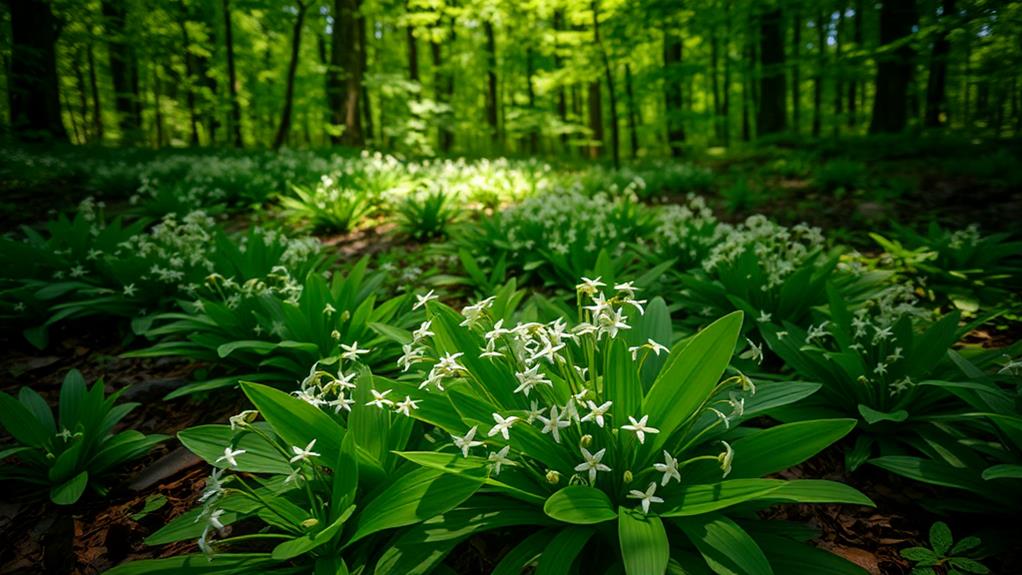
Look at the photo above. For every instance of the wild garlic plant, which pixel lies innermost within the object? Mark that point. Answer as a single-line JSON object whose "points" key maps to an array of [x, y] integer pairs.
{"points": [[563, 416]]}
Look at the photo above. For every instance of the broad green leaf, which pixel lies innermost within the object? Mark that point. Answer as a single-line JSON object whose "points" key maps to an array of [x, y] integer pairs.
{"points": [[873, 416], [819, 491], [523, 554], [225, 564], [579, 504], [644, 545], [689, 376], [784, 446], [705, 498], [20, 423], [345, 482], [562, 550], [1003, 471], [70, 491], [298, 546], [940, 537], [413, 497], [209, 442], [787, 556], [725, 546], [295, 421]]}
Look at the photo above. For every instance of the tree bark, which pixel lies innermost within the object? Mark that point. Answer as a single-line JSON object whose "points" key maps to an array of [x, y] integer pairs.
{"points": [[289, 89], [894, 67], [562, 103], [124, 71], [615, 131], [232, 78], [770, 114], [344, 73], [33, 86], [715, 85], [821, 47], [633, 112], [853, 83], [726, 106], [491, 83], [796, 79], [443, 86], [672, 92], [936, 84], [83, 98], [193, 138], [97, 108]]}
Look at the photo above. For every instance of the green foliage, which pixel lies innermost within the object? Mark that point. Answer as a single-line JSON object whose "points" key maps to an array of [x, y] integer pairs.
{"points": [[427, 214], [83, 454], [655, 450], [329, 207], [941, 556]]}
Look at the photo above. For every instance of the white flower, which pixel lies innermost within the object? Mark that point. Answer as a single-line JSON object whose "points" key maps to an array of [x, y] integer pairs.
{"points": [[627, 287], [640, 428], [214, 487], [726, 458], [499, 458], [589, 286], [596, 412], [129, 290], [351, 352], [465, 443], [230, 455], [553, 424], [423, 332], [242, 419], [303, 454], [295, 476], [422, 300], [530, 378], [214, 519], [406, 406], [503, 426], [534, 411], [592, 463], [669, 468], [755, 352], [737, 405], [645, 497], [329, 310], [380, 399], [764, 317]]}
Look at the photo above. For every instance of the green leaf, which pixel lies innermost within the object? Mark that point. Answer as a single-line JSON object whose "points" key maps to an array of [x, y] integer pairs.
{"points": [[644, 545], [345, 476], [969, 565], [873, 416], [225, 564], [20, 423], [692, 371], [919, 554], [819, 491], [725, 546], [580, 505], [413, 497], [1003, 471], [561, 551], [704, 498], [515, 561], [70, 491], [295, 421], [787, 556], [940, 538], [255, 346], [209, 441], [304, 544], [965, 544], [784, 446]]}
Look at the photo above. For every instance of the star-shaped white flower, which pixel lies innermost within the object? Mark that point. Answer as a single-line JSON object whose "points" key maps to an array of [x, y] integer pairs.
{"points": [[380, 399], [669, 468], [503, 426], [640, 428], [303, 454], [589, 286], [422, 300], [592, 463], [230, 455], [351, 352], [405, 407], [645, 497], [553, 424], [534, 411], [597, 412], [467, 442], [214, 519], [498, 458], [726, 459]]}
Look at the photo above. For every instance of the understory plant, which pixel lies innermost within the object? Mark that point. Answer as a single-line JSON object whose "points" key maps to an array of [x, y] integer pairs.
{"points": [[310, 489], [271, 330], [329, 206], [635, 454], [944, 555], [73, 451], [427, 213]]}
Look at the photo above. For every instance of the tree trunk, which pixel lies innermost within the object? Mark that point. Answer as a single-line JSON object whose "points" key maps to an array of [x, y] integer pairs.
{"points": [[491, 84], [853, 83], [193, 138], [367, 110], [33, 86], [936, 97], [770, 114], [344, 73], [894, 68], [726, 107], [796, 79], [821, 47], [83, 98], [531, 91], [747, 96], [292, 69], [633, 129], [615, 132], [232, 78], [97, 108], [443, 86], [124, 71], [672, 92], [715, 85], [413, 56], [839, 89]]}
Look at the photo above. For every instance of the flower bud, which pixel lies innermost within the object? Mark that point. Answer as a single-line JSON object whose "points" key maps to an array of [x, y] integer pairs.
{"points": [[336, 335], [310, 523], [586, 440], [553, 477], [628, 476]]}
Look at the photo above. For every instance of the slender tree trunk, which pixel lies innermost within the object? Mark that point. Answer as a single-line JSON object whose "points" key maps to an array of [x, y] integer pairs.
{"points": [[839, 88], [97, 108], [124, 71], [531, 91], [595, 119], [193, 138], [289, 88], [672, 92], [894, 68], [633, 113], [615, 131], [232, 78], [726, 107], [747, 95], [33, 85], [821, 48], [367, 109], [344, 73], [157, 108], [562, 104], [413, 55], [491, 84], [853, 83], [715, 85], [796, 78], [771, 115], [83, 98], [936, 84]]}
